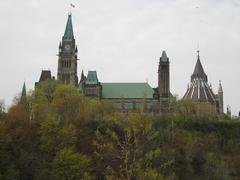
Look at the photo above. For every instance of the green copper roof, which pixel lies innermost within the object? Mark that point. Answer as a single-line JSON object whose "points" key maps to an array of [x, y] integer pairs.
{"points": [[68, 35], [24, 92], [92, 77], [164, 57], [126, 90]]}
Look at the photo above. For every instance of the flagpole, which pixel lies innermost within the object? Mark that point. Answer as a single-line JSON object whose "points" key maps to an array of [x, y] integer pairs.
{"points": [[70, 7], [69, 10]]}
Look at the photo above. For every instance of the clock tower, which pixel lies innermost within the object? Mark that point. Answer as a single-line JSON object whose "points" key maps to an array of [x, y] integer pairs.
{"points": [[67, 57]]}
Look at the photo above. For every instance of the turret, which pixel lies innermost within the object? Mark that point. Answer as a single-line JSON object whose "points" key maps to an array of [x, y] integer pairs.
{"points": [[164, 83], [220, 98]]}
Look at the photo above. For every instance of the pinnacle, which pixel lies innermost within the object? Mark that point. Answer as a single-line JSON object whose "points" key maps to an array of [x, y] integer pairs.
{"points": [[220, 89], [164, 57]]}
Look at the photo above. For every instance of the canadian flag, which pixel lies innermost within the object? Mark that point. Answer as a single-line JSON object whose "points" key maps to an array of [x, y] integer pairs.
{"points": [[72, 5]]}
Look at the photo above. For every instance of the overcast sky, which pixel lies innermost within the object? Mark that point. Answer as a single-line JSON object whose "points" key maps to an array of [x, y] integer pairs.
{"points": [[123, 40]]}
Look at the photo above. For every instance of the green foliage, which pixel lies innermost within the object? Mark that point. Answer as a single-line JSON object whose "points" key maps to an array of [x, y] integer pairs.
{"points": [[59, 134], [70, 165], [188, 110], [215, 168], [55, 136], [126, 142]]}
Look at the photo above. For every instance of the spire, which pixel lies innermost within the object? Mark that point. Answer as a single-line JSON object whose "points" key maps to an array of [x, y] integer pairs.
{"points": [[220, 89], [164, 57], [76, 49], [83, 77], [24, 92], [198, 70], [68, 35], [200, 90]]}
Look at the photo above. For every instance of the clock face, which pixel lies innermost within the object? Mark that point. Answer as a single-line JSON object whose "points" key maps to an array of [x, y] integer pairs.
{"points": [[67, 47]]}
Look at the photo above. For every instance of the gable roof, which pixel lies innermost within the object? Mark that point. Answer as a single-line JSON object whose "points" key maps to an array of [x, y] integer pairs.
{"points": [[126, 90]]}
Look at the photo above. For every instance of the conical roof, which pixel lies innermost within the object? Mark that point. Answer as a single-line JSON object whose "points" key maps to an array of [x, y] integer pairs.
{"points": [[68, 34], [199, 89], [199, 71], [198, 68]]}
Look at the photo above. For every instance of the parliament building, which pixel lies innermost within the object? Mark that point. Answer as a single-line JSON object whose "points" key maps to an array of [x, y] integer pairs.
{"points": [[129, 96]]}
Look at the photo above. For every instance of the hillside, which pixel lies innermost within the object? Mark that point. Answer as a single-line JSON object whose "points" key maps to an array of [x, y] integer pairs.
{"points": [[55, 133]]}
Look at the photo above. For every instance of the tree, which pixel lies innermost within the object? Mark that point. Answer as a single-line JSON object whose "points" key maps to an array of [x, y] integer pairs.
{"points": [[126, 148], [189, 110], [214, 168], [54, 136], [8, 168], [66, 102], [70, 165], [40, 106]]}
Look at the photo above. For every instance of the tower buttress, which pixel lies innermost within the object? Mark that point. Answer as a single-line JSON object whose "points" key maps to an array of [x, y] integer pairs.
{"points": [[67, 58], [164, 83]]}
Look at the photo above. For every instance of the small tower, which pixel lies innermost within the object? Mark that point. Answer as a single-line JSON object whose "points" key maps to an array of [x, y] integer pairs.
{"points": [[67, 60], [220, 98], [24, 92], [92, 86], [164, 83]]}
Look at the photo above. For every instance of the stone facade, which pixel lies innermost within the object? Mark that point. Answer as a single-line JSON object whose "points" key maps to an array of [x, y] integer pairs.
{"points": [[164, 83], [130, 96], [126, 96], [68, 56]]}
